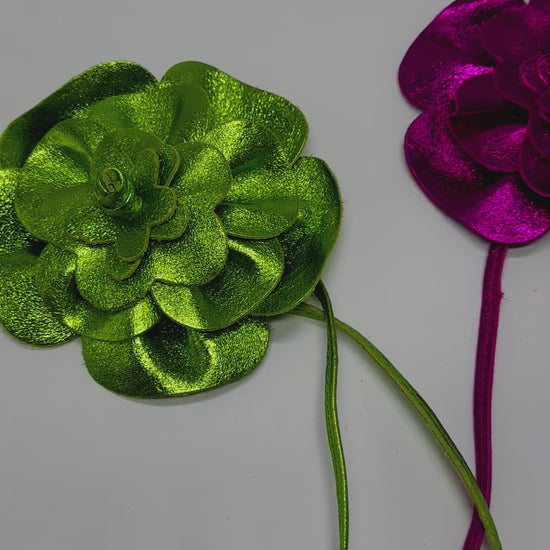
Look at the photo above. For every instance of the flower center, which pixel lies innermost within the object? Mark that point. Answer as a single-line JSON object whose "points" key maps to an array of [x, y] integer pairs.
{"points": [[116, 194]]}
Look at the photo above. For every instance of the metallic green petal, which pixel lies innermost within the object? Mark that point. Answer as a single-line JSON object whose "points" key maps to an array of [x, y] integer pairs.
{"points": [[248, 145], [171, 360], [174, 227], [204, 177], [55, 279], [191, 111], [196, 257], [159, 205], [174, 115], [169, 164], [102, 291], [251, 272], [132, 235], [131, 243], [52, 192], [309, 241], [116, 268], [14, 235], [260, 204], [147, 111], [147, 170], [233, 100], [258, 218], [122, 149], [98, 227], [91, 86], [23, 312]]}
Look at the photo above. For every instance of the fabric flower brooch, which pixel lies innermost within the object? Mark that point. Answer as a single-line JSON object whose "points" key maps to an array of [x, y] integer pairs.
{"points": [[480, 71], [164, 223]]}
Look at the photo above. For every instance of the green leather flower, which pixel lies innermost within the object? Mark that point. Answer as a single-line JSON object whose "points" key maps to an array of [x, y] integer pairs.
{"points": [[162, 222]]}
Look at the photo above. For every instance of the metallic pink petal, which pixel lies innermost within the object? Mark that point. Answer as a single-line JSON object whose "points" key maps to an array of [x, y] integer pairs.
{"points": [[539, 132], [478, 94], [544, 103], [535, 72], [537, 17], [492, 139], [507, 212], [535, 169], [508, 35], [440, 72], [448, 52], [495, 206], [544, 42], [509, 83]]}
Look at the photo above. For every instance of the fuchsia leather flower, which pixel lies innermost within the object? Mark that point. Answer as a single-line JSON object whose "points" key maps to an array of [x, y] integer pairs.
{"points": [[481, 148]]}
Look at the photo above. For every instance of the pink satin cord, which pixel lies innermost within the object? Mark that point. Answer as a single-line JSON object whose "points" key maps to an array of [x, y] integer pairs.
{"points": [[483, 384]]}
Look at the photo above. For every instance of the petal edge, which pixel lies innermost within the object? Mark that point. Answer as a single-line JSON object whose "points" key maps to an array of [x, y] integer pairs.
{"points": [[172, 361]]}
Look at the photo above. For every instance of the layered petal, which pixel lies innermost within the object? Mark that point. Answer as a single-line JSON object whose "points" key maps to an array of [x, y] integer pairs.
{"points": [[174, 227], [535, 72], [497, 207], [171, 360], [509, 35], [448, 52], [510, 83], [544, 104], [174, 115], [535, 169], [123, 150], [131, 235], [544, 42], [23, 312], [55, 279], [479, 95], [196, 257], [492, 139], [540, 4], [262, 201], [233, 100], [539, 133], [251, 272], [93, 85], [14, 236], [117, 268], [248, 145], [101, 290], [203, 178], [259, 205], [52, 192], [508, 210], [191, 114], [309, 241], [202, 181]]}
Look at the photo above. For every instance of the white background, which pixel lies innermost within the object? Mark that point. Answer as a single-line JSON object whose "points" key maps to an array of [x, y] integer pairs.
{"points": [[246, 467]]}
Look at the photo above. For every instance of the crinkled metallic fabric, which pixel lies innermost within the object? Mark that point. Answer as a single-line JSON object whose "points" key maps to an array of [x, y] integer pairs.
{"points": [[163, 222]]}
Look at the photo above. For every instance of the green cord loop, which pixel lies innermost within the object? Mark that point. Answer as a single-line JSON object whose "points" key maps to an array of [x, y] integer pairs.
{"points": [[442, 438], [331, 416]]}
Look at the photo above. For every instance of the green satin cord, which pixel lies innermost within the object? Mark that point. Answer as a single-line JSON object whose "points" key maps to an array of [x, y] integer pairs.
{"points": [[331, 416], [429, 418]]}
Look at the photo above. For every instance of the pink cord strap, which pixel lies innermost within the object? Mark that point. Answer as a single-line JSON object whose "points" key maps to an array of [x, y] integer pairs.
{"points": [[483, 385]]}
